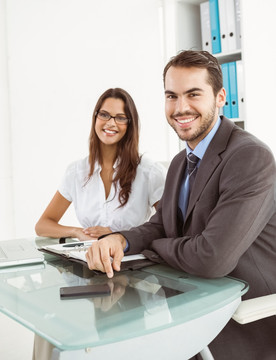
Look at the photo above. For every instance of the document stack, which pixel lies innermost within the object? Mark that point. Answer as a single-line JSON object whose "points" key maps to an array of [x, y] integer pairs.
{"points": [[232, 73], [220, 26]]}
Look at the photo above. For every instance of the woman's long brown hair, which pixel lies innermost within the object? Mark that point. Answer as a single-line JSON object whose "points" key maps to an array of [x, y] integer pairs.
{"points": [[127, 148]]}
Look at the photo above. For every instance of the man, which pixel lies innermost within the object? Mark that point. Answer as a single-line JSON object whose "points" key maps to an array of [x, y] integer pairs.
{"points": [[225, 222]]}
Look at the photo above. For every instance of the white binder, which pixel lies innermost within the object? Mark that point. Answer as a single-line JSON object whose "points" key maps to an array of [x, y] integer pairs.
{"points": [[227, 14], [240, 85], [238, 23], [223, 26], [205, 27], [231, 25]]}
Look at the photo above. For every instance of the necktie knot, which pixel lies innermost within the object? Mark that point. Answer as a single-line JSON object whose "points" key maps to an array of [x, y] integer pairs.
{"points": [[192, 162]]}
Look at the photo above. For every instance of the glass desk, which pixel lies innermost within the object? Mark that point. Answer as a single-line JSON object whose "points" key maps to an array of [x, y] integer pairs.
{"points": [[154, 312]]}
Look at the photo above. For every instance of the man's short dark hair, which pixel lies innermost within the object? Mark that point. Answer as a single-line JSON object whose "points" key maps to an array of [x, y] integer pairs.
{"points": [[198, 59]]}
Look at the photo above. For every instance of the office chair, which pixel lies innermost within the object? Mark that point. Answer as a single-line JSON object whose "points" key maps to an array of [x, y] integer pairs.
{"points": [[255, 309]]}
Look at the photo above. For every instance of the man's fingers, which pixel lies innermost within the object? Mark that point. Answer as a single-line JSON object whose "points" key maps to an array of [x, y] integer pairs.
{"points": [[117, 260], [93, 258], [99, 255], [106, 261]]}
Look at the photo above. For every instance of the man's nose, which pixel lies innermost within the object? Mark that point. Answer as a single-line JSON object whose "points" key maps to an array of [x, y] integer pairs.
{"points": [[182, 105]]}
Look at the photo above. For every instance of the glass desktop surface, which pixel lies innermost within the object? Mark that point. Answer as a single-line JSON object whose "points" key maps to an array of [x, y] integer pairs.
{"points": [[141, 301]]}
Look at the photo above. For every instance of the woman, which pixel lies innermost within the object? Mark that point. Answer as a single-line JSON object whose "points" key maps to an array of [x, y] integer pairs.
{"points": [[112, 189]]}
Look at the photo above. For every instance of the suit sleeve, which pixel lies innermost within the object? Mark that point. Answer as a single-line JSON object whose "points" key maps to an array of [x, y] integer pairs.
{"points": [[245, 183], [246, 204]]}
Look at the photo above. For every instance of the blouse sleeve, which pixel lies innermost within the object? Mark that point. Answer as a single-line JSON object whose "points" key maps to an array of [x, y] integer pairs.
{"points": [[157, 176], [67, 183]]}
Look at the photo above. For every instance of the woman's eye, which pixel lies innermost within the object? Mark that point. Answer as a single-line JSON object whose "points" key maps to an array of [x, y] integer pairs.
{"points": [[104, 115]]}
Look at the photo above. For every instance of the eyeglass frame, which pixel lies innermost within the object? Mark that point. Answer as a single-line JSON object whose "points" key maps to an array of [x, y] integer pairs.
{"points": [[112, 117]]}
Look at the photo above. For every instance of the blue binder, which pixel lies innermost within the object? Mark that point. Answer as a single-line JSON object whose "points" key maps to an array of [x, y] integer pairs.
{"points": [[227, 106], [215, 26], [233, 89]]}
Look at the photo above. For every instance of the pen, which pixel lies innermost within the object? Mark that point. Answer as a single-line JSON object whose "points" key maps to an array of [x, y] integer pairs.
{"points": [[73, 245]]}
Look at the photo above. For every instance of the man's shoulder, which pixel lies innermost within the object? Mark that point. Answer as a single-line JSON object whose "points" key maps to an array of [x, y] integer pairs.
{"points": [[231, 137], [244, 139]]}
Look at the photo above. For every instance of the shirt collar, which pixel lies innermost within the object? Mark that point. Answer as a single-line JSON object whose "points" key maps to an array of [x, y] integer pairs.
{"points": [[98, 168], [202, 146]]}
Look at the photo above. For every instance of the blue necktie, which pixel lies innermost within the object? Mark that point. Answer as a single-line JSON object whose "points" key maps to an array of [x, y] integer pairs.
{"points": [[192, 169], [187, 184]]}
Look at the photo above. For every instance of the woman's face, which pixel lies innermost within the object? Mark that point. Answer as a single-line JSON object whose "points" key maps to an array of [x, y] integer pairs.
{"points": [[109, 132]]}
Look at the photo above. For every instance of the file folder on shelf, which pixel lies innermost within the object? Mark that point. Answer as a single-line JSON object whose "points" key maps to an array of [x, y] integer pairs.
{"points": [[215, 28], [227, 106], [205, 27], [227, 21], [240, 85], [231, 25], [233, 90], [223, 26], [238, 23]]}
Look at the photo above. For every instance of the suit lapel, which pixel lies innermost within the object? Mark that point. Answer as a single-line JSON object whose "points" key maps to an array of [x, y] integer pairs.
{"points": [[210, 161], [175, 178]]}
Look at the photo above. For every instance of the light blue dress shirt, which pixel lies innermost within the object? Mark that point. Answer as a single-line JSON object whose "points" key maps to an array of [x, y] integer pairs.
{"points": [[199, 151]]}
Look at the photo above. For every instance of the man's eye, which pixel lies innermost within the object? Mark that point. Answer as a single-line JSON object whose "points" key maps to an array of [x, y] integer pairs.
{"points": [[194, 94], [170, 97]]}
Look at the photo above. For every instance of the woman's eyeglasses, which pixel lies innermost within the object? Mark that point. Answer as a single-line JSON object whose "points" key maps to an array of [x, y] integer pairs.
{"points": [[119, 119]]}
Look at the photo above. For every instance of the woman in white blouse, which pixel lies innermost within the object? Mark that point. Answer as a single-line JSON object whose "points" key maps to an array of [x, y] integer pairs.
{"points": [[112, 189]]}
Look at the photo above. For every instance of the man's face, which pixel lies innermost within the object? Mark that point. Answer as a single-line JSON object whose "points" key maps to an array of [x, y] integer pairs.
{"points": [[190, 105]]}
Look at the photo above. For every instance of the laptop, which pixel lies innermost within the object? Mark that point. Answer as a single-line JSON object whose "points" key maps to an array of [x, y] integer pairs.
{"points": [[19, 252]]}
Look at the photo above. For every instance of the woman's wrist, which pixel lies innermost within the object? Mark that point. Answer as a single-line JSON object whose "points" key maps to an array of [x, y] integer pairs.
{"points": [[75, 232]]}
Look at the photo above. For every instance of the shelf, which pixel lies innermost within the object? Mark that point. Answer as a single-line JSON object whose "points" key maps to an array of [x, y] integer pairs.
{"points": [[228, 57]]}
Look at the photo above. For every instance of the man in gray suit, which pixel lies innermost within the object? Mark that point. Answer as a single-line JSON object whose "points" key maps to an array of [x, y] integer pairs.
{"points": [[217, 218]]}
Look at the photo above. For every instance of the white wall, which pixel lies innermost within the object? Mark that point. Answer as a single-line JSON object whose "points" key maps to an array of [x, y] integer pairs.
{"points": [[6, 199], [259, 56], [62, 55]]}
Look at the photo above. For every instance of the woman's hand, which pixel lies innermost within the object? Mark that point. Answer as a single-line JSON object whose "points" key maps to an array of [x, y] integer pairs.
{"points": [[96, 231], [79, 234]]}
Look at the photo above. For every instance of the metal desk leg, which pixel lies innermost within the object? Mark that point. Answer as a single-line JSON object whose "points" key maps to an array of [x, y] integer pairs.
{"points": [[206, 354]]}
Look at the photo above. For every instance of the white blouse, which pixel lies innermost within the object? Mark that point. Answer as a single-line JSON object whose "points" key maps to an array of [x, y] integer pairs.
{"points": [[93, 209]]}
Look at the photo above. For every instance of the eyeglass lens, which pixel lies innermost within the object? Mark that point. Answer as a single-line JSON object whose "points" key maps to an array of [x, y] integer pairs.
{"points": [[118, 118]]}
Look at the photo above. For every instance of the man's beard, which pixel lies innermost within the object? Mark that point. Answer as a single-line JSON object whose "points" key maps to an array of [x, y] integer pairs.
{"points": [[204, 126]]}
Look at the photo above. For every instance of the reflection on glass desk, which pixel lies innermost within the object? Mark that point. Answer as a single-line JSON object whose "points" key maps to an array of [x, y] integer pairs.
{"points": [[145, 305]]}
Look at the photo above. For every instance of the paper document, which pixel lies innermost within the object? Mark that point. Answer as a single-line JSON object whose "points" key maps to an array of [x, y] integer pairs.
{"points": [[77, 250]]}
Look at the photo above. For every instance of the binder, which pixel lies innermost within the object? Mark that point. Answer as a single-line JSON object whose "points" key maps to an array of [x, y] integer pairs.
{"points": [[238, 23], [233, 90], [205, 27], [223, 26], [214, 24], [231, 25], [240, 85], [75, 252], [227, 106]]}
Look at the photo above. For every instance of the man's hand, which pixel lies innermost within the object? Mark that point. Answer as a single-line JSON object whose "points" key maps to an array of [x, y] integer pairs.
{"points": [[100, 253], [118, 287]]}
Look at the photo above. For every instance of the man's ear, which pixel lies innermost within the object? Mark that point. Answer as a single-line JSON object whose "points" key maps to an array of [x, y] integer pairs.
{"points": [[221, 98]]}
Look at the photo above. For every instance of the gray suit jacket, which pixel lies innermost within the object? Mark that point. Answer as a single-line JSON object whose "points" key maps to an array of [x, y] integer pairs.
{"points": [[230, 226]]}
